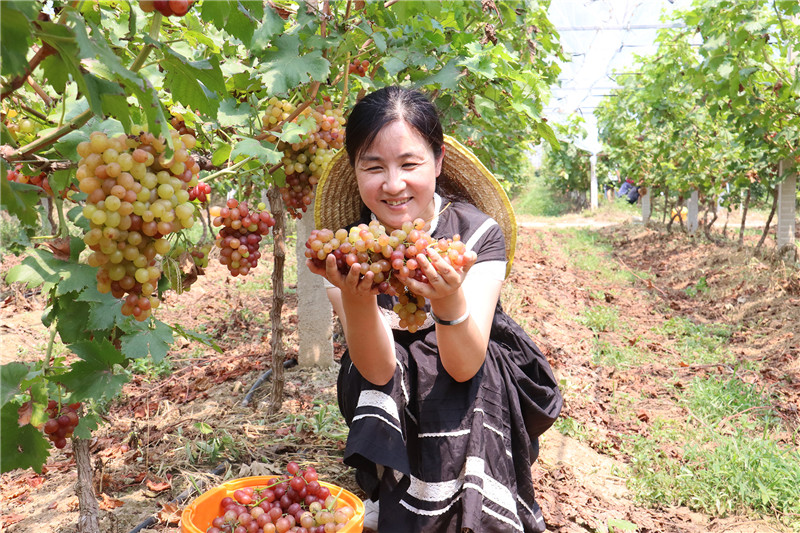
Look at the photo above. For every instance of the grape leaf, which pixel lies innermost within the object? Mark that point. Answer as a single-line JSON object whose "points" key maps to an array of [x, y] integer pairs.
{"points": [[75, 277], [72, 316], [196, 84], [11, 375], [232, 114], [221, 155], [251, 147], [285, 67], [20, 447], [155, 341], [105, 311], [272, 24], [35, 270], [86, 424], [241, 23], [196, 336], [93, 376], [16, 31], [20, 199], [216, 12]]}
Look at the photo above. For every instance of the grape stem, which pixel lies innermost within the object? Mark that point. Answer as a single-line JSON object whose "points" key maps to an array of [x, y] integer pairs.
{"points": [[226, 171], [49, 352], [155, 28]]}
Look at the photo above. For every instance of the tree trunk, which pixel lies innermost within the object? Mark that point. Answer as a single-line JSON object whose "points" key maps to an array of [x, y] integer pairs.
{"points": [[666, 207], [708, 225], [745, 206], [279, 253], [88, 521], [725, 227], [769, 218]]}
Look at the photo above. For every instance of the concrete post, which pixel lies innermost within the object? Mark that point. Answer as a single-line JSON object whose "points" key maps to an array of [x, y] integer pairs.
{"points": [[787, 209], [593, 190], [314, 322], [691, 216], [646, 209]]}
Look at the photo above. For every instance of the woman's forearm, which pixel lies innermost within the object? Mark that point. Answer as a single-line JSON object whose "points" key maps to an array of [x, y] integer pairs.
{"points": [[462, 348], [369, 340]]}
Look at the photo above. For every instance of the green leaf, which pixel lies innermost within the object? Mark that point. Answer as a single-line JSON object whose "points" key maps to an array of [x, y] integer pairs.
{"points": [[138, 343], [76, 277], [195, 336], [59, 180], [547, 133], [233, 114], [34, 270], [447, 77], [20, 200], [93, 377], [616, 525], [113, 99], [221, 155], [271, 25], [251, 147], [195, 84], [15, 28], [285, 67], [217, 12], [241, 22], [11, 375], [393, 65], [72, 316], [20, 447]]}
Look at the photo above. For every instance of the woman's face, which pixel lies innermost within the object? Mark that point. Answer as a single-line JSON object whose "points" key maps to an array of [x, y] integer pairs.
{"points": [[396, 175]]}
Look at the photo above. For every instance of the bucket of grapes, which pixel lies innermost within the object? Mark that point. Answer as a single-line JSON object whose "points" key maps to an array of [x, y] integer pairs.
{"points": [[295, 501]]}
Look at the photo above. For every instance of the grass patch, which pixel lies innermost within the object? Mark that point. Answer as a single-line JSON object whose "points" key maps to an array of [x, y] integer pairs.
{"points": [[719, 401], [538, 200], [600, 318], [590, 252], [698, 343], [605, 353], [727, 458]]}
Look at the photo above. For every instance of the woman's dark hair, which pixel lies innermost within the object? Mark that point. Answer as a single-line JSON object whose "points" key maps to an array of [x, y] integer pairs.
{"points": [[384, 106]]}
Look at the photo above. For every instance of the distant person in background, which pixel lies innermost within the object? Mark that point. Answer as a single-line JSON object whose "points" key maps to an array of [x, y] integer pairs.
{"points": [[629, 191]]}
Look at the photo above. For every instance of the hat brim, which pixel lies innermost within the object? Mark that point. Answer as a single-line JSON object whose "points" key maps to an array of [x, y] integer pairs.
{"points": [[338, 202]]}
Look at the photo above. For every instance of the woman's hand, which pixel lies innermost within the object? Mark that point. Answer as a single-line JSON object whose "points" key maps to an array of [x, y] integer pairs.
{"points": [[350, 284], [443, 279]]}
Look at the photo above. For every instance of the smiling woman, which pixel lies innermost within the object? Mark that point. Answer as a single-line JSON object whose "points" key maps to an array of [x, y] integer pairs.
{"points": [[444, 417]]}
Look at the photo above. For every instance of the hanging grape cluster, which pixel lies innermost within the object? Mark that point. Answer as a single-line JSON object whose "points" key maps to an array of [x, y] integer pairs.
{"points": [[136, 197], [40, 180], [240, 237], [295, 501], [304, 161], [386, 255], [61, 422]]}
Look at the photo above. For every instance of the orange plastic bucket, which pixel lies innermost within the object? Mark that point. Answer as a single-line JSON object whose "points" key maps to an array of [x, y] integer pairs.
{"points": [[197, 516]]}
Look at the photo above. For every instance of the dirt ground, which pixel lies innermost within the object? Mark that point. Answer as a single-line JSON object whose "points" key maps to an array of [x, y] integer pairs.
{"points": [[167, 433]]}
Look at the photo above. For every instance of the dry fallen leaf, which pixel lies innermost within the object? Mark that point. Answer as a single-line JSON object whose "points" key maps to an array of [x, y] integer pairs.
{"points": [[107, 503], [158, 486], [169, 514], [9, 519]]}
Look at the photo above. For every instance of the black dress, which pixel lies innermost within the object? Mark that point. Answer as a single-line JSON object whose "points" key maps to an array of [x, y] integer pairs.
{"points": [[440, 455]]}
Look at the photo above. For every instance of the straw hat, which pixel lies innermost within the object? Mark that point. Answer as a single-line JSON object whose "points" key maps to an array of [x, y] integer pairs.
{"points": [[338, 203]]}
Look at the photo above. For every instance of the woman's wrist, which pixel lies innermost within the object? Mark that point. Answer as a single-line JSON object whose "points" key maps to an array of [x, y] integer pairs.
{"points": [[453, 322], [450, 310]]}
